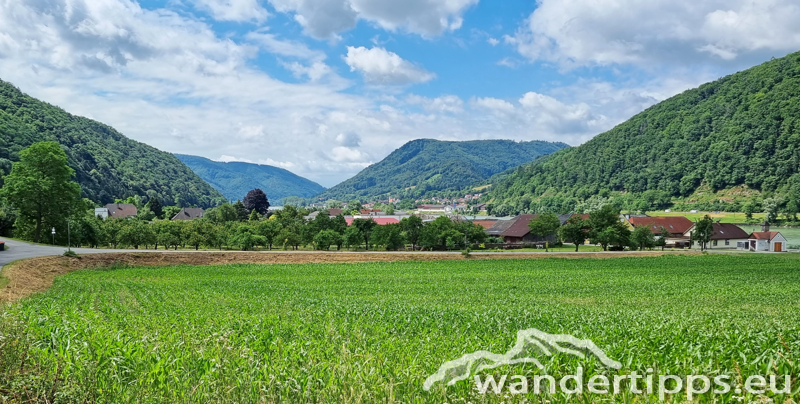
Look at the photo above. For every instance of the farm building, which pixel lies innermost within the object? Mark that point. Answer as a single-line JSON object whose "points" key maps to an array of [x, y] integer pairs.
{"points": [[516, 231], [723, 235]]}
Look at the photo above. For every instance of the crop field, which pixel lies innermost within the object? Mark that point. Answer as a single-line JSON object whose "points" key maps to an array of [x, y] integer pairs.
{"points": [[373, 332]]}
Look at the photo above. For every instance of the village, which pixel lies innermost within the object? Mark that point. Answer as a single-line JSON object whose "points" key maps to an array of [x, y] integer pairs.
{"points": [[515, 232]]}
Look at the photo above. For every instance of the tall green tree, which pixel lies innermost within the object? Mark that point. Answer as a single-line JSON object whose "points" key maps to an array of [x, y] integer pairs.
{"points": [[40, 186], [642, 237], [545, 225], [575, 231], [155, 206], [412, 227], [365, 226], [703, 230]]}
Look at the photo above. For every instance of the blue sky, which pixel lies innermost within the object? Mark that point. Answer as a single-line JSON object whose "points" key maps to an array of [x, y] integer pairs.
{"points": [[324, 88]]}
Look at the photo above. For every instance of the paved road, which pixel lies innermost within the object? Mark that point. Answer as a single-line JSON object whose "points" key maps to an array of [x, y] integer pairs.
{"points": [[18, 250]]}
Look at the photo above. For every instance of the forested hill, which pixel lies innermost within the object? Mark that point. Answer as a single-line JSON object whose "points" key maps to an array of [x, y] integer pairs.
{"points": [[107, 164], [425, 166], [741, 130], [235, 179]]}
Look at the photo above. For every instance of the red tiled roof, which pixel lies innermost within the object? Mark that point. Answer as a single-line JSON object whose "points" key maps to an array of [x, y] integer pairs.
{"points": [[727, 231], [121, 210], [379, 220], [486, 224], [763, 235], [364, 211], [520, 226], [334, 211], [673, 224], [583, 216]]}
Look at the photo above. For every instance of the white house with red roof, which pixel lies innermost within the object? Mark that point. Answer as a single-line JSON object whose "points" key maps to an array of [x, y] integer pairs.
{"points": [[766, 240]]}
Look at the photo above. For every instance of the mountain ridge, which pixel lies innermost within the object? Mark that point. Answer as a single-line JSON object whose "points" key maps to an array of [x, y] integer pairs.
{"points": [[234, 179], [424, 166], [107, 164], [742, 129]]}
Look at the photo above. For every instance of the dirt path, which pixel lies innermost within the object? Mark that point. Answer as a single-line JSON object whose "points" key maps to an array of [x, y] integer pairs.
{"points": [[34, 275]]}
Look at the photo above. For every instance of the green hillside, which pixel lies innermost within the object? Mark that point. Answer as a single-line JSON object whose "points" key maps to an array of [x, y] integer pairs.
{"points": [[234, 179], [425, 166], [741, 130], [107, 164]]}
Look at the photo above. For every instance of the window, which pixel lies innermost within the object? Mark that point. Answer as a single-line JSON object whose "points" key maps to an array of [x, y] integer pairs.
{"points": [[714, 243], [727, 242]]}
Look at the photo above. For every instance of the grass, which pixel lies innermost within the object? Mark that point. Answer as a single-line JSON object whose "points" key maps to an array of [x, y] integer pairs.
{"points": [[373, 332], [724, 217], [565, 248]]}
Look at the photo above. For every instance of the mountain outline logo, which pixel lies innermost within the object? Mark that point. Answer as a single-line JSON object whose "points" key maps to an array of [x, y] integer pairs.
{"points": [[459, 369]]}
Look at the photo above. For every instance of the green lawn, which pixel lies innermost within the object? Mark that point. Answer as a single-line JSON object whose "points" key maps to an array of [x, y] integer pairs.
{"points": [[373, 332], [723, 217]]}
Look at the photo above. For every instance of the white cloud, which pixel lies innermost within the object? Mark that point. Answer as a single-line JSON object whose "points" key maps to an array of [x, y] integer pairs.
{"points": [[494, 104], [325, 19], [170, 81], [493, 41], [315, 71], [295, 49], [647, 33], [227, 159], [444, 104], [348, 139], [234, 10], [380, 66]]}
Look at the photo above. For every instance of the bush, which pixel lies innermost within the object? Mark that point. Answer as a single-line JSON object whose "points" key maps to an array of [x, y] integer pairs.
{"points": [[70, 253]]}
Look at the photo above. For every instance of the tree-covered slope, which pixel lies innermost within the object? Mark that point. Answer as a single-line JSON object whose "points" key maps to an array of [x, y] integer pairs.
{"points": [[235, 179], [107, 164], [424, 166], [743, 129]]}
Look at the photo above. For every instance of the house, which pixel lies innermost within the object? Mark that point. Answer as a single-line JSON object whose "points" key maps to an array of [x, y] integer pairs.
{"points": [[101, 212], [516, 231], [189, 214], [334, 212], [677, 227], [121, 210], [723, 235], [765, 240]]}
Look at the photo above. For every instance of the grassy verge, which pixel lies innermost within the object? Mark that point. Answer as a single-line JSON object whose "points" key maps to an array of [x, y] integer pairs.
{"points": [[373, 332]]}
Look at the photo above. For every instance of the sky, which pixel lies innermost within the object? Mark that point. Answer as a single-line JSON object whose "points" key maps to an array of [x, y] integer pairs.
{"points": [[324, 88]]}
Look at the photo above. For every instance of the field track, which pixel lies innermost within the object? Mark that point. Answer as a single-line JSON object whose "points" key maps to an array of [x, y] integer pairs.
{"points": [[33, 275]]}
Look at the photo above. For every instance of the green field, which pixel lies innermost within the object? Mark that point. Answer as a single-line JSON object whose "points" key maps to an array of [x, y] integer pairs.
{"points": [[373, 332]]}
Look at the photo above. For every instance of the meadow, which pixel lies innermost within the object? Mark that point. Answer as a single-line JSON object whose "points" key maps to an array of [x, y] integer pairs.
{"points": [[373, 332]]}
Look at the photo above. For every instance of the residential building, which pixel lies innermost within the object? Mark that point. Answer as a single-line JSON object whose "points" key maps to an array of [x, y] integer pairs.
{"points": [[189, 214], [121, 210], [676, 226], [101, 212], [723, 235]]}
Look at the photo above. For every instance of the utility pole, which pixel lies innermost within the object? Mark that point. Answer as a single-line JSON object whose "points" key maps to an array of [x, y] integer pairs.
{"points": [[53, 232], [69, 243]]}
